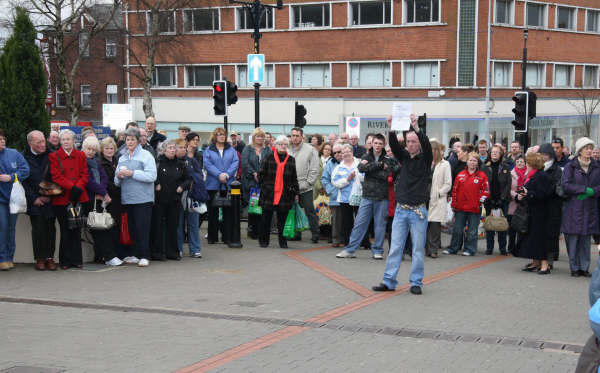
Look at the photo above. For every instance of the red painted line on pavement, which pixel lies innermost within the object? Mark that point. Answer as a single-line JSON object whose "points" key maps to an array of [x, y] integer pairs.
{"points": [[345, 282], [290, 331]]}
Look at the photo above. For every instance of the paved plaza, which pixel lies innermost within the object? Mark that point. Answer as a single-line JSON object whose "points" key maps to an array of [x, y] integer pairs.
{"points": [[294, 310]]}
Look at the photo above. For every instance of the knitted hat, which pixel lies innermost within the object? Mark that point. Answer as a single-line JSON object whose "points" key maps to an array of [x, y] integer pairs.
{"points": [[582, 143], [547, 149]]}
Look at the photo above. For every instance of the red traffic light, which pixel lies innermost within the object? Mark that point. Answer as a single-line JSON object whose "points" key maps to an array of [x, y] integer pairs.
{"points": [[218, 88]]}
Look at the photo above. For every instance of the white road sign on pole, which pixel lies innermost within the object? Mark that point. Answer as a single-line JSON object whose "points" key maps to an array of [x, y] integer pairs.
{"points": [[256, 68]]}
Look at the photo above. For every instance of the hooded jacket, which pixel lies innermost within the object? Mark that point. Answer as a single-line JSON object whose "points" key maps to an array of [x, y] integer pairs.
{"points": [[469, 190]]}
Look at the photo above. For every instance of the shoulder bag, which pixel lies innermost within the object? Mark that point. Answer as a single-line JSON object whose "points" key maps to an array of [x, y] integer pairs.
{"points": [[520, 219], [100, 220], [496, 222], [48, 188], [220, 201]]}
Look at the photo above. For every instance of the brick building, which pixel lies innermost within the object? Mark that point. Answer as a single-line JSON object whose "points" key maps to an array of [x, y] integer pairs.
{"points": [[355, 58], [100, 77]]}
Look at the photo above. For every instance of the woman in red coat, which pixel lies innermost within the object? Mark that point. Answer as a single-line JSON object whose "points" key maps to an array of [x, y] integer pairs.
{"points": [[68, 168]]}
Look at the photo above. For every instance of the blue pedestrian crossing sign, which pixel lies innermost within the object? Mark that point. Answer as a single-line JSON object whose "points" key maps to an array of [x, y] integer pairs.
{"points": [[256, 68]]}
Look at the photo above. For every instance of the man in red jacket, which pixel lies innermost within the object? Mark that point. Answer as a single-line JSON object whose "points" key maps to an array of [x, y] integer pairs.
{"points": [[470, 190]]}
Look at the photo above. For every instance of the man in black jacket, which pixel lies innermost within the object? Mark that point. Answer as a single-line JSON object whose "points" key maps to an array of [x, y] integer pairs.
{"points": [[154, 138], [39, 208], [411, 192], [376, 167]]}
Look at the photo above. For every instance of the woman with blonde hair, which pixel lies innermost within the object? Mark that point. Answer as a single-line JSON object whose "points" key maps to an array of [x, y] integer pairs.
{"points": [[441, 184], [252, 157], [470, 191], [536, 190]]}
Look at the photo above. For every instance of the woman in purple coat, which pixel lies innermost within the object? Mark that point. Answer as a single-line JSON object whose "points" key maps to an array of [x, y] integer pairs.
{"points": [[97, 190], [581, 185]]}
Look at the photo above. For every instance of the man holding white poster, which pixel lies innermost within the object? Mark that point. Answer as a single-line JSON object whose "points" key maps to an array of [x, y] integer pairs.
{"points": [[412, 193]]}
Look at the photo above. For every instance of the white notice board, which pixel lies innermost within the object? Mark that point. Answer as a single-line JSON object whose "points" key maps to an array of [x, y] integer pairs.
{"points": [[116, 116]]}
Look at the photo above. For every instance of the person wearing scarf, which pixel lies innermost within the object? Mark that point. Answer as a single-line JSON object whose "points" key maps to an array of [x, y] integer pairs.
{"points": [[536, 191], [279, 189], [518, 175], [97, 190], [581, 187]]}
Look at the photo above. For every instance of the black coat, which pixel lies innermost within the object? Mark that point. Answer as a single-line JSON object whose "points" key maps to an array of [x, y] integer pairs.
{"points": [[266, 179], [375, 186], [504, 181], [114, 207], [39, 170], [170, 174], [156, 139], [554, 209], [533, 244]]}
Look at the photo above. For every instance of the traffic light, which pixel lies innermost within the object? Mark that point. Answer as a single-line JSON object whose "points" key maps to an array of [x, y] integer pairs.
{"points": [[300, 121], [521, 100], [220, 97], [231, 93]]}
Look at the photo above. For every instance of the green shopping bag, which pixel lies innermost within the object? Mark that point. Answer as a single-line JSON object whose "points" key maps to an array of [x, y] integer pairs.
{"points": [[253, 207], [289, 229], [301, 219]]}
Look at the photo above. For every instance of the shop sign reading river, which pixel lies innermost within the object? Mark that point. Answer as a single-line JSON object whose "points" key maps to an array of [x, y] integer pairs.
{"points": [[363, 126]]}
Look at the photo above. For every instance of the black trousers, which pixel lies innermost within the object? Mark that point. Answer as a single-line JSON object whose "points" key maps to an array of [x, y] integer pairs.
{"points": [[213, 221], [264, 231], [43, 237], [253, 224], [347, 222], [70, 239], [434, 237], [139, 219], [104, 240], [167, 220]]}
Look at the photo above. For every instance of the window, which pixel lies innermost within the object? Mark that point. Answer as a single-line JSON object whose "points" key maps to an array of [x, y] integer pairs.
{"points": [[201, 20], [244, 19], [565, 18], [84, 50], [593, 20], [536, 76], [311, 15], [563, 76], [86, 96], [467, 30], [164, 76], [504, 9], [112, 96], [61, 99], [269, 76], [502, 74], [536, 15], [421, 74], [422, 10], [202, 76], [370, 75], [111, 48], [371, 12], [306, 76], [590, 76], [166, 22]]}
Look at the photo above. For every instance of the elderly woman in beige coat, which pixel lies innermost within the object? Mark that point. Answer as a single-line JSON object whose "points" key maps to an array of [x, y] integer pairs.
{"points": [[441, 184]]}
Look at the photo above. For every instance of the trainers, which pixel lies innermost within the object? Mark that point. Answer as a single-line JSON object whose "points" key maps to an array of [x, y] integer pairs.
{"points": [[467, 253], [378, 256], [114, 262], [416, 290], [143, 263], [131, 260], [4, 266], [447, 252], [197, 255], [345, 254]]}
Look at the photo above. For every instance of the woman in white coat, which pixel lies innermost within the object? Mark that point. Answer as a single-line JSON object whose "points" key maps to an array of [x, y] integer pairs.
{"points": [[441, 184]]}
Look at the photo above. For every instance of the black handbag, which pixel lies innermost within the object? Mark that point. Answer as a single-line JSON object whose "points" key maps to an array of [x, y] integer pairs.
{"points": [[520, 219], [220, 201], [75, 219]]}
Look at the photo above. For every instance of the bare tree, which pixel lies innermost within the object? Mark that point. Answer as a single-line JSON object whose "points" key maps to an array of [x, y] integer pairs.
{"points": [[154, 27], [71, 26], [586, 105]]}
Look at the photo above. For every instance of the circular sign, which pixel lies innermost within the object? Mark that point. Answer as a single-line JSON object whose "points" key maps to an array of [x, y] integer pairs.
{"points": [[352, 123]]}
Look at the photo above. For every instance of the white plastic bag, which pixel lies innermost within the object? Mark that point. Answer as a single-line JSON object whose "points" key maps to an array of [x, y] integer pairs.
{"points": [[355, 193], [18, 202], [449, 213]]}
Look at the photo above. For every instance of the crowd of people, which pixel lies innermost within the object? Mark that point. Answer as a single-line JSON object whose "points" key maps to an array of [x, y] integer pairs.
{"points": [[399, 186]]}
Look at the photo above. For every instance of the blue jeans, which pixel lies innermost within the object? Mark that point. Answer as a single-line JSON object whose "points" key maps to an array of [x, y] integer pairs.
{"points": [[368, 210], [578, 247], [8, 222], [193, 228], [405, 221], [461, 219]]}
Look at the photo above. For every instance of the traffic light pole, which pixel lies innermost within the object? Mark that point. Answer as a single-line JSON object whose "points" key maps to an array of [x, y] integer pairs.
{"points": [[257, 11], [524, 140]]}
